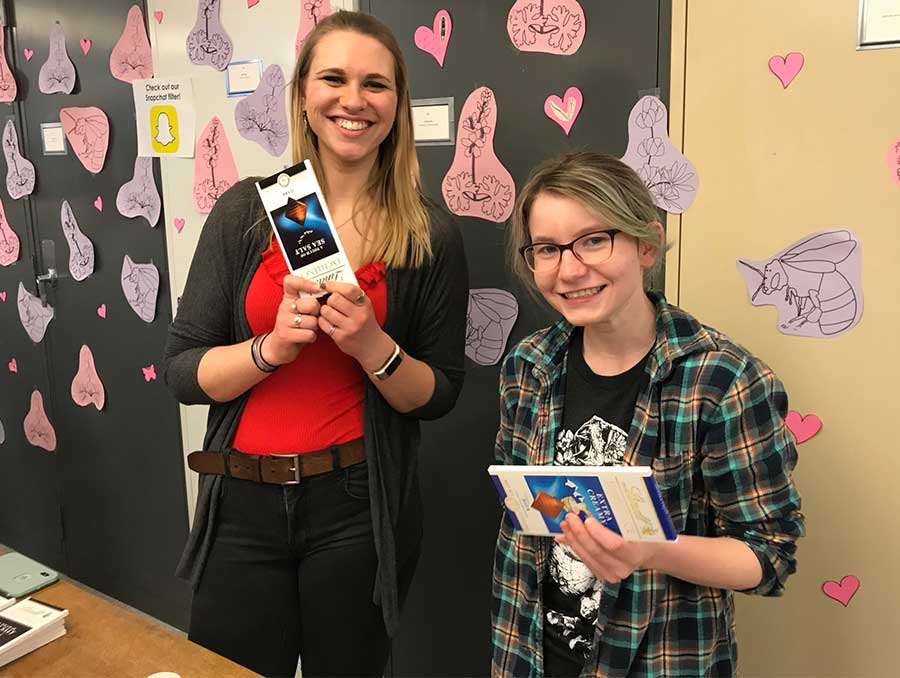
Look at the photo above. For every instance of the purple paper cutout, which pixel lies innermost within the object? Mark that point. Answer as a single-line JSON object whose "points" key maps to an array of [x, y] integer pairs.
{"points": [[38, 429], [131, 58], [140, 197], [2, 434], [671, 177], [554, 27], [262, 116], [8, 86], [34, 315], [311, 13], [208, 43], [86, 385], [214, 168], [9, 241], [815, 284], [58, 72], [477, 184], [19, 171], [87, 130], [491, 315], [140, 283], [81, 249]]}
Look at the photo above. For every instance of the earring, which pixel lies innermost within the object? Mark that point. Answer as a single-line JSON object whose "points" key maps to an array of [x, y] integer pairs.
{"points": [[305, 122]]}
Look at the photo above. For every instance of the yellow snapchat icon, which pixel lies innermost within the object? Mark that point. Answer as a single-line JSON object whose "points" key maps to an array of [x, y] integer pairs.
{"points": [[164, 129]]}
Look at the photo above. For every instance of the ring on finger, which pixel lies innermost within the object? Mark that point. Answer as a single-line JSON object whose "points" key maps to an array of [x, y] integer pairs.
{"points": [[298, 319], [360, 298], [331, 331], [294, 306]]}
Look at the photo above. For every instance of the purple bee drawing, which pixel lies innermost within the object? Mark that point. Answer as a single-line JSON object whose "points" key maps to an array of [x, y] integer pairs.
{"points": [[140, 283], [491, 315], [34, 315]]}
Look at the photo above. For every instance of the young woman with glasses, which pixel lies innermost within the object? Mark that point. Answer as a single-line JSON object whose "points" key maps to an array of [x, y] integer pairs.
{"points": [[626, 378]]}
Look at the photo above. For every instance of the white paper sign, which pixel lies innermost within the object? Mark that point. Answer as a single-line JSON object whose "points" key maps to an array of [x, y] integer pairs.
{"points": [[165, 113], [879, 23], [431, 123]]}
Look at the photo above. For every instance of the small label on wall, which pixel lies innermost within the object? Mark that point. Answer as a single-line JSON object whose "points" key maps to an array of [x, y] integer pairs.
{"points": [[433, 122], [53, 139]]}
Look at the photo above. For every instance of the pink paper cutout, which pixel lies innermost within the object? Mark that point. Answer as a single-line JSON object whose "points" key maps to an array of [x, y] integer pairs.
{"points": [[9, 241], [671, 177], [208, 43], [214, 168], [786, 68], [814, 284], [159, 17], [140, 197], [86, 386], [311, 13], [179, 224], [28, 53], [491, 315], [20, 173], [87, 130], [564, 111], [8, 86], [802, 427], [554, 27], [140, 284], [101, 311], [13, 366], [3, 295], [842, 592], [81, 249], [434, 41], [85, 45], [149, 373], [38, 429], [477, 184], [262, 116], [58, 72], [131, 58], [98, 203], [34, 315], [252, 3], [893, 161]]}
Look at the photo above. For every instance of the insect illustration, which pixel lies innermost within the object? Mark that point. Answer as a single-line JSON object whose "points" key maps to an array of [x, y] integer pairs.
{"points": [[814, 283], [489, 320]]}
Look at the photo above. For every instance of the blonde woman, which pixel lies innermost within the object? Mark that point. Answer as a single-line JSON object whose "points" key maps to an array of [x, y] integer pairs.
{"points": [[308, 522], [626, 378]]}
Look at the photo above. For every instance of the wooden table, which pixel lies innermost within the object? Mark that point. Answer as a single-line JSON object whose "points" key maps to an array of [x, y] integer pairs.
{"points": [[104, 638]]}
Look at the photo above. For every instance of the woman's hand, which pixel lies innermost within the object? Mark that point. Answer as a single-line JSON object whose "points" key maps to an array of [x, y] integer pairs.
{"points": [[296, 324], [607, 555], [349, 319]]}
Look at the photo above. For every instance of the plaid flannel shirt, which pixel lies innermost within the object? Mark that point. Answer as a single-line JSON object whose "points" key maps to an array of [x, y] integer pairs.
{"points": [[710, 423]]}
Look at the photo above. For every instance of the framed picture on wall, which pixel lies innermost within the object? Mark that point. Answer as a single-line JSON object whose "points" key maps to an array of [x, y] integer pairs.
{"points": [[434, 122], [242, 77], [879, 24]]}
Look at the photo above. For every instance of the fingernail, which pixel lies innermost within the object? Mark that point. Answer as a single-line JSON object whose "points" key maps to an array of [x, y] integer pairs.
{"points": [[322, 284]]}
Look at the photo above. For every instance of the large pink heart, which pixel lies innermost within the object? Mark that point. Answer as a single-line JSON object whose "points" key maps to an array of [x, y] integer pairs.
{"points": [[786, 68], [842, 592], [564, 111], [435, 40], [803, 428]]}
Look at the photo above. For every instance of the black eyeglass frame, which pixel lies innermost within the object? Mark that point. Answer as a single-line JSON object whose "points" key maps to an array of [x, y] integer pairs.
{"points": [[612, 233]]}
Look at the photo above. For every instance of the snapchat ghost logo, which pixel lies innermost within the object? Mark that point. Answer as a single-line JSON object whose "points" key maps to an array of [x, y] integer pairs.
{"points": [[164, 129]]}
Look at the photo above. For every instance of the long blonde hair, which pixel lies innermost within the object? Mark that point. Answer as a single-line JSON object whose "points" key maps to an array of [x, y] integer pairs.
{"points": [[393, 188]]}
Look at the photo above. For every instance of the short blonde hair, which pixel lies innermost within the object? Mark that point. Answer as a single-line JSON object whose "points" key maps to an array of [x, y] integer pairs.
{"points": [[604, 185]]}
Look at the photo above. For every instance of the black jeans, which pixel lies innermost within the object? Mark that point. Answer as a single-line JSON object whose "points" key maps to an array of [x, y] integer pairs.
{"points": [[292, 570]]}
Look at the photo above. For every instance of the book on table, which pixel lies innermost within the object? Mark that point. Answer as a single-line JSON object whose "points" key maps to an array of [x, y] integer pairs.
{"points": [[27, 625]]}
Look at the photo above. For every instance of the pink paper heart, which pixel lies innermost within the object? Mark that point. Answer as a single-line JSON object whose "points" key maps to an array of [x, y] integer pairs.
{"points": [[786, 68], [28, 54], [3, 295], [435, 40], [159, 16], [842, 592], [101, 311], [149, 373], [803, 428], [98, 203], [13, 365], [85, 45], [564, 111], [179, 224], [252, 3]]}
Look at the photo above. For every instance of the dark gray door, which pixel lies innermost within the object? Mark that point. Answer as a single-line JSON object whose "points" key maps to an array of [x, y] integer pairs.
{"points": [[121, 507], [446, 624]]}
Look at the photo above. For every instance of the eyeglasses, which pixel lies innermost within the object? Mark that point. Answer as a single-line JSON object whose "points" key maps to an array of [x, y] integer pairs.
{"points": [[589, 249]]}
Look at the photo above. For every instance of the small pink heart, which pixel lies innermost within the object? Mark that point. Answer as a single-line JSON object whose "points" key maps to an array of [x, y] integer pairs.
{"points": [[252, 3], [842, 592], [98, 203], [159, 16], [803, 428], [179, 224], [149, 373], [101, 311], [564, 111], [786, 68], [28, 54], [435, 40], [3, 295], [13, 365], [85, 45]]}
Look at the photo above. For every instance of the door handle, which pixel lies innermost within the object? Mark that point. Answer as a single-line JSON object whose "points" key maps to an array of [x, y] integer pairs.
{"points": [[48, 255]]}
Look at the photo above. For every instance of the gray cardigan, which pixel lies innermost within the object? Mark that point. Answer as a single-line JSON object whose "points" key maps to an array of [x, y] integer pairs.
{"points": [[426, 315]]}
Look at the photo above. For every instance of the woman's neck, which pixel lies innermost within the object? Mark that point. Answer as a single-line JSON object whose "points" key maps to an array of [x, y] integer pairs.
{"points": [[616, 346], [346, 183]]}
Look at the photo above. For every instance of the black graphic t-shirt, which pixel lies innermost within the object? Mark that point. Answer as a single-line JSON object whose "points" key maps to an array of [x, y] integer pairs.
{"points": [[598, 413]]}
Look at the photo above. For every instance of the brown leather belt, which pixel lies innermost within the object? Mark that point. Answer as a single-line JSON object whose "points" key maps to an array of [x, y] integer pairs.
{"points": [[280, 469]]}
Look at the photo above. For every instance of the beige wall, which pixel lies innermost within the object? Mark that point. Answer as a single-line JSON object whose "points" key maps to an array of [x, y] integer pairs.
{"points": [[776, 165]]}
